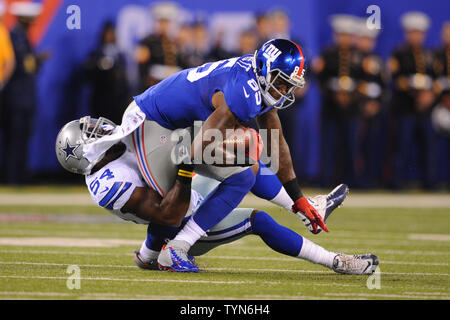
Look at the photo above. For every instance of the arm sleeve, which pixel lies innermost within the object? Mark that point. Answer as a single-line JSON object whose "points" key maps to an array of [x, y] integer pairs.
{"points": [[241, 98]]}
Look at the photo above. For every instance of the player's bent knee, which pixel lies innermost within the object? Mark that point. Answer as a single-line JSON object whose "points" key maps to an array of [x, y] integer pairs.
{"points": [[256, 167], [260, 220], [245, 179], [252, 216]]}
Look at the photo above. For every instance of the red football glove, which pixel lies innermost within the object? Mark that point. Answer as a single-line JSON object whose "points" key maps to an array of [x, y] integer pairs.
{"points": [[303, 205]]}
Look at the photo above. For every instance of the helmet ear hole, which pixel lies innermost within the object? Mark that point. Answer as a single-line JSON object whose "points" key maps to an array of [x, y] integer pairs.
{"points": [[261, 65]]}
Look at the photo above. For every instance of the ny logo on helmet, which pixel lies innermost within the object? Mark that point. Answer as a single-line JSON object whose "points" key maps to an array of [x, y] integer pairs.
{"points": [[271, 53]]}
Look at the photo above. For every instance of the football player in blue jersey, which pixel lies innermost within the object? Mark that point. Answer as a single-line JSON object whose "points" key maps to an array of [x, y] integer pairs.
{"points": [[222, 94], [115, 183]]}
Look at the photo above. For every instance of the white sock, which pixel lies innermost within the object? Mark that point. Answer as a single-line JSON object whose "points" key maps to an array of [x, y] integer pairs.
{"points": [[148, 254], [283, 200], [316, 254], [190, 233]]}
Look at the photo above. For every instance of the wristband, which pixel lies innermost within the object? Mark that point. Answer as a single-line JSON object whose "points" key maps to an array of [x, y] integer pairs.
{"points": [[293, 189], [185, 173]]}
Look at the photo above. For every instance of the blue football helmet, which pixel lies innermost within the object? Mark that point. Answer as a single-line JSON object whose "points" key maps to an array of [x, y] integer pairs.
{"points": [[279, 65]]}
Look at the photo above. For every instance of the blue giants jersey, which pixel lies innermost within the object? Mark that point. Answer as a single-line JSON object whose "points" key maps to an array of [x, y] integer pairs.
{"points": [[185, 97]]}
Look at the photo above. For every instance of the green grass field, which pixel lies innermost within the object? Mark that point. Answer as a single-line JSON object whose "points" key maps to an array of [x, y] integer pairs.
{"points": [[39, 242]]}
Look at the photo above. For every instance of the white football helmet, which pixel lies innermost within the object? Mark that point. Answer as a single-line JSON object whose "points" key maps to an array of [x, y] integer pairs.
{"points": [[72, 137]]}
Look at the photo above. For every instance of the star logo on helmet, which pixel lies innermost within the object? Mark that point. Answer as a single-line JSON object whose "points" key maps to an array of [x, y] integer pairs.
{"points": [[69, 150]]}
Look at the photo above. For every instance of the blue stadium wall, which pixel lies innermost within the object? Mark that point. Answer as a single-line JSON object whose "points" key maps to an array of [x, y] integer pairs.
{"points": [[63, 98]]}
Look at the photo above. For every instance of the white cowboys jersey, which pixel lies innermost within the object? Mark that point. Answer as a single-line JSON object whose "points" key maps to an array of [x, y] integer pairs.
{"points": [[112, 186]]}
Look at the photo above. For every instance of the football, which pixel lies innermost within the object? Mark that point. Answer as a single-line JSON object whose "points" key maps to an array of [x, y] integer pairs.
{"points": [[244, 143]]}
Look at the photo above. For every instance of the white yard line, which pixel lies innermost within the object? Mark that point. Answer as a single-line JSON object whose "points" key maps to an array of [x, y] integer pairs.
{"points": [[386, 296], [375, 200], [37, 293], [223, 269], [57, 252], [139, 280], [354, 200], [297, 260], [429, 237], [436, 293], [209, 256], [67, 264], [66, 242], [105, 295], [320, 272], [399, 252], [42, 199], [284, 259], [112, 242]]}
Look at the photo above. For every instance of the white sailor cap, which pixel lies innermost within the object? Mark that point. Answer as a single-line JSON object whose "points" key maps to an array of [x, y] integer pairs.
{"points": [[343, 23], [363, 29], [415, 20], [165, 10], [25, 9]]}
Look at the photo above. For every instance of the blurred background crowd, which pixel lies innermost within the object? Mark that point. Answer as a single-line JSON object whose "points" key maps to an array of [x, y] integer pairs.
{"points": [[369, 117]]}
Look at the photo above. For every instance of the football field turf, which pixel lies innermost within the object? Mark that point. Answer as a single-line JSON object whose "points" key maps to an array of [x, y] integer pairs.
{"points": [[49, 237]]}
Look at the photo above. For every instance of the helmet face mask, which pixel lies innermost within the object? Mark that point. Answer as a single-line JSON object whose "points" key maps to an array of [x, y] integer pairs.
{"points": [[278, 65], [278, 84], [73, 136], [93, 129]]}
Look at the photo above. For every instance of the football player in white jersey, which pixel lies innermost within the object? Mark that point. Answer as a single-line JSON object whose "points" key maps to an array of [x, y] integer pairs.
{"points": [[115, 183]]}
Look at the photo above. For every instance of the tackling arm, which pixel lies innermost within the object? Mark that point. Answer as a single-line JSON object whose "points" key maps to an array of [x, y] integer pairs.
{"points": [[286, 173], [221, 119], [147, 204]]}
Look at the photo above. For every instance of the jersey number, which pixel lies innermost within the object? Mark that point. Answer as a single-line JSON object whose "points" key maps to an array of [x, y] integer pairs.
{"points": [[96, 184], [207, 68], [252, 83]]}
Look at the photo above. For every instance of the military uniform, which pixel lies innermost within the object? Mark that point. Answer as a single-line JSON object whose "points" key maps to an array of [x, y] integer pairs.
{"points": [[19, 101], [441, 67], [441, 113], [6, 68], [163, 59], [413, 76], [105, 69], [371, 96], [412, 72], [371, 84], [158, 55], [338, 72]]}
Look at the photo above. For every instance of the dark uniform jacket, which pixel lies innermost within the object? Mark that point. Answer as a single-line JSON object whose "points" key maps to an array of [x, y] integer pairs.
{"points": [[163, 52], [20, 92], [338, 79], [412, 71], [372, 81], [441, 68]]}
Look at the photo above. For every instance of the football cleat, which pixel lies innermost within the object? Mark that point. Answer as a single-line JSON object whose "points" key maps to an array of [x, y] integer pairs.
{"points": [[335, 199], [325, 205], [192, 260], [355, 264], [173, 257], [145, 264]]}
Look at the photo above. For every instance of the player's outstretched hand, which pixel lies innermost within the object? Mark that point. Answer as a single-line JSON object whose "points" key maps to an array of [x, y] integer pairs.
{"points": [[302, 205]]}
